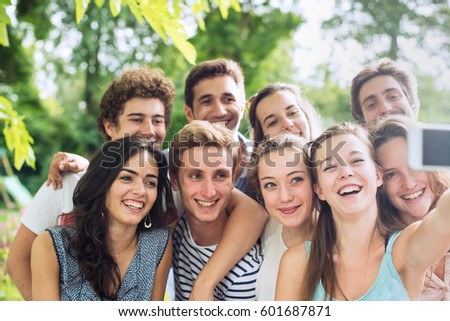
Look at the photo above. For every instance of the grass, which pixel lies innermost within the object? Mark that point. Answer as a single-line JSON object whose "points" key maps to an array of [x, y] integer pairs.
{"points": [[9, 223]]}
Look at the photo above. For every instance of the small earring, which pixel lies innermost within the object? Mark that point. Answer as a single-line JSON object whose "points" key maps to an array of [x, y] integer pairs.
{"points": [[149, 223], [103, 215]]}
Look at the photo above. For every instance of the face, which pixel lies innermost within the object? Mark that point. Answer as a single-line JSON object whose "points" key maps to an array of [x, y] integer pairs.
{"points": [[205, 182], [217, 100], [347, 175], [408, 190], [286, 187], [280, 113], [143, 117], [381, 96], [134, 190]]}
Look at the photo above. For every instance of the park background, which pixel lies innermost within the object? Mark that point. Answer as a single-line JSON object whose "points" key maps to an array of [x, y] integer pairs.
{"points": [[60, 55]]}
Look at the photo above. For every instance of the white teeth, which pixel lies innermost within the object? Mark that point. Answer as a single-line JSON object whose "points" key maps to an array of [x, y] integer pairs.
{"points": [[134, 205], [223, 123], [349, 189], [413, 195], [206, 204]]}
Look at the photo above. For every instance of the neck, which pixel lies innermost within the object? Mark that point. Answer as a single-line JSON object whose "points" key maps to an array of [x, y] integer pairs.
{"points": [[120, 240], [296, 235], [207, 233]]}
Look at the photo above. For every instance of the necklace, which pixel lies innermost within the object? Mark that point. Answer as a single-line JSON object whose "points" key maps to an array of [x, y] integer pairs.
{"points": [[129, 246]]}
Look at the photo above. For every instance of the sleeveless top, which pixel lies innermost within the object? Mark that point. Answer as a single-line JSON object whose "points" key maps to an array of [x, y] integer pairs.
{"points": [[137, 284], [388, 285]]}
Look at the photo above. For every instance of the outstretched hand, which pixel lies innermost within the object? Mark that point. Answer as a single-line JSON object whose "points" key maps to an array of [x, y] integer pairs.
{"points": [[64, 162]]}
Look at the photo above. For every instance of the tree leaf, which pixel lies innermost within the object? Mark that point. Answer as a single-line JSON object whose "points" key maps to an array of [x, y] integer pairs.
{"points": [[99, 3], [115, 7], [81, 6]]}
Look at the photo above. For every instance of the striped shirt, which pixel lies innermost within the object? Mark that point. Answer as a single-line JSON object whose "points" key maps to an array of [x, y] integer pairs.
{"points": [[189, 259]]}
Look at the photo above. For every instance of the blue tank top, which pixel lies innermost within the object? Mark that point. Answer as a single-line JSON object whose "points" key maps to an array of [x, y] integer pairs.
{"points": [[388, 285], [137, 284]]}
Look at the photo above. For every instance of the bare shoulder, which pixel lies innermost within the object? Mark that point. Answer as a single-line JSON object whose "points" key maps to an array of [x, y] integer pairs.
{"points": [[43, 243], [295, 256]]}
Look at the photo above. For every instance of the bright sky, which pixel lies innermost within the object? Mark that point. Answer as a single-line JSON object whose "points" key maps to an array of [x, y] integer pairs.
{"points": [[345, 61]]}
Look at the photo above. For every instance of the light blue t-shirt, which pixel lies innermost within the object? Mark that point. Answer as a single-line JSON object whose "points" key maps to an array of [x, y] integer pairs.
{"points": [[388, 285]]}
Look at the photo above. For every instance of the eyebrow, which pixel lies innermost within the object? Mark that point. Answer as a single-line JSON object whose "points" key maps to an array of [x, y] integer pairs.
{"points": [[330, 157], [289, 174], [384, 92], [143, 115], [273, 115], [136, 174]]}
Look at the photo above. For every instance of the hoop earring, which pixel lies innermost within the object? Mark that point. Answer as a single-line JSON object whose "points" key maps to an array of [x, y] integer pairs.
{"points": [[147, 221]]}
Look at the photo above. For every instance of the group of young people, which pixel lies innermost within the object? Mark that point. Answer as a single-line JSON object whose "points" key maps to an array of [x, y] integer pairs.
{"points": [[296, 213]]}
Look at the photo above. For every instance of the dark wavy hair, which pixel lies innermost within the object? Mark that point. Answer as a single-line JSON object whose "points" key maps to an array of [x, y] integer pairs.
{"points": [[90, 214]]}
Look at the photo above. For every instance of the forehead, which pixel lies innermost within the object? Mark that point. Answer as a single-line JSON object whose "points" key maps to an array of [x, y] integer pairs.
{"points": [[142, 161], [216, 86], [279, 162], [276, 103], [206, 158], [393, 153], [341, 146], [149, 107], [378, 85]]}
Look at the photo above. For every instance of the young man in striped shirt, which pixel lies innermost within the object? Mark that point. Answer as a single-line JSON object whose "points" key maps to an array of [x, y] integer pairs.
{"points": [[202, 168]]}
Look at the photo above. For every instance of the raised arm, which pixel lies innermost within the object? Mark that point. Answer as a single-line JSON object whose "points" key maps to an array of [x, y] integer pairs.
{"points": [[291, 274], [44, 269], [162, 273], [423, 243], [245, 224], [63, 162]]}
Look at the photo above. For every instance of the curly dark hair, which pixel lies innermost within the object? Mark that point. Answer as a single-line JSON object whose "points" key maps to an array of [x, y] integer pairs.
{"points": [[90, 214], [143, 82]]}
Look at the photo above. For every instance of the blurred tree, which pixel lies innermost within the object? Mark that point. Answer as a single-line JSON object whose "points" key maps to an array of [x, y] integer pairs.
{"points": [[385, 24]]}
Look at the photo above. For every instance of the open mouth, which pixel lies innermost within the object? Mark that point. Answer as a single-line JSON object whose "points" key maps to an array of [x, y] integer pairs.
{"points": [[414, 195], [206, 204], [133, 204], [349, 190]]}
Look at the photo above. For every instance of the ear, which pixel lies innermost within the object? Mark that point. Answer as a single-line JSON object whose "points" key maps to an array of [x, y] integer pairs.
{"points": [[189, 112], [318, 191], [379, 176], [174, 183], [110, 128]]}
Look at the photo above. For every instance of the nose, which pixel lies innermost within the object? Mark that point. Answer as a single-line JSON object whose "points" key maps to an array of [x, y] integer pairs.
{"points": [[385, 108], [208, 189], [287, 124], [409, 181], [219, 109], [138, 188], [285, 194], [147, 129], [346, 171]]}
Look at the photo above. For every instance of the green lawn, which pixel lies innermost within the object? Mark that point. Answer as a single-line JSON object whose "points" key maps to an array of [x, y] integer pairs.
{"points": [[9, 222]]}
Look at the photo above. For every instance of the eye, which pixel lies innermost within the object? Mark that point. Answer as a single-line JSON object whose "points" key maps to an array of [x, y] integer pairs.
{"points": [[205, 101], [328, 167], [157, 121], [272, 123], [125, 178], [371, 106], [293, 113], [195, 176], [297, 180], [151, 183], [270, 185], [357, 161], [390, 175], [229, 100], [394, 96], [221, 176], [136, 120]]}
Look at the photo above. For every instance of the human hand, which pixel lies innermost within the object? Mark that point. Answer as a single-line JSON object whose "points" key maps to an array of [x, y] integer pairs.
{"points": [[64, 162], [201, 292]]}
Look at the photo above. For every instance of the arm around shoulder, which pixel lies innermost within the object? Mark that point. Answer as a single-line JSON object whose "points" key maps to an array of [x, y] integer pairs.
{"points": [[162, 273], [44, 269], [291, 274]]}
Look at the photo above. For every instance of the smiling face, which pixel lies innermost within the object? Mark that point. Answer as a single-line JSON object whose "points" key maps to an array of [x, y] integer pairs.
{"points": [[280, 113], [205, 182], [217, 100], [286, 187], [142, 117], [134, 191], [347, 175], [383, 95], [408, 190]]}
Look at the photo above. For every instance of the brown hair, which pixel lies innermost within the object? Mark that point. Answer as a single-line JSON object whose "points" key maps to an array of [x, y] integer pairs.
{"points": [[311, 114], [384, 67], [394, 126], [143, 82], [212, 69], [320, 265], [200, 133]]}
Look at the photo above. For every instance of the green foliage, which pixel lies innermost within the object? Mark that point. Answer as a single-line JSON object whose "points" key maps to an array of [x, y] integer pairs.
{"points": [[433, 101], [4, 22]]}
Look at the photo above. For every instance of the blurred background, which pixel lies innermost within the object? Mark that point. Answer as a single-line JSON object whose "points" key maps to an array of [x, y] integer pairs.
{"points": [[55, 69]]}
